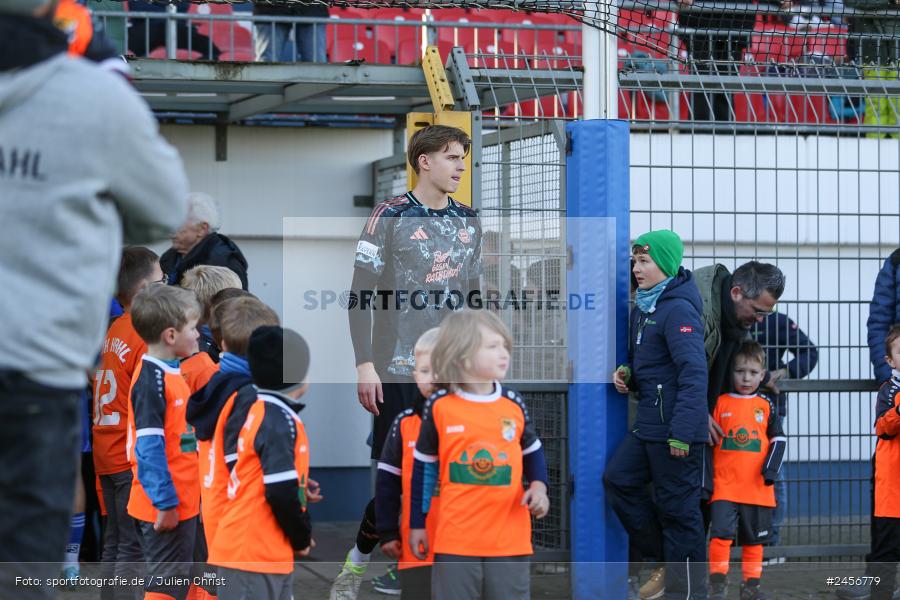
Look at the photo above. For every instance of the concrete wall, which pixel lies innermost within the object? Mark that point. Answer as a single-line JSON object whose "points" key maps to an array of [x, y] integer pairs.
{"points": [[276, 173]]}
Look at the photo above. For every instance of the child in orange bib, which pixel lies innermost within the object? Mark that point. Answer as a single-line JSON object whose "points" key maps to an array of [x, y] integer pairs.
{"points": [[165, 492], [264, 524], [394, 480], [885, 543], [477, 441], [745, 466]]}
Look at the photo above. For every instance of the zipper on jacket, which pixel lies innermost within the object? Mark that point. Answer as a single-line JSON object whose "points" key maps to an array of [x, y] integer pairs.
{"points": [[640, 332], [659, 402]]}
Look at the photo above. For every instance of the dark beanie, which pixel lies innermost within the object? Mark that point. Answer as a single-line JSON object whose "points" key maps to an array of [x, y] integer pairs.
{"points": [[279, 358]]}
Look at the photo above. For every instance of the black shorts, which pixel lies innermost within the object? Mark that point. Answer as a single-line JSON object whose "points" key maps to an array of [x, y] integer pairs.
{"points": [[399, 393], [746, 524], [415, 583]]}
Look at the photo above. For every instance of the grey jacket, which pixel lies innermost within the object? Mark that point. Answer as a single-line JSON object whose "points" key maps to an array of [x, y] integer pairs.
{"points": [[82, 169]]}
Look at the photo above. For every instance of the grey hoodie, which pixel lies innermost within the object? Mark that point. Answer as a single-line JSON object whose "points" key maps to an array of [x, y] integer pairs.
{"points": [[82, 169]]}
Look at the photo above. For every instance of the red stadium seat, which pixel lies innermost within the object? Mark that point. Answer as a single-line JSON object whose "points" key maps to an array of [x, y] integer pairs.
{"points": [[395, 35], [233, 38], [471, 39], [409, 52], [180, 54], [346, 48]]}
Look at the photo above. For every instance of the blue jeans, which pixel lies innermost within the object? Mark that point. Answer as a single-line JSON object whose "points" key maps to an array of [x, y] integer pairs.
{"points": [[781, 498], [274, 43]]}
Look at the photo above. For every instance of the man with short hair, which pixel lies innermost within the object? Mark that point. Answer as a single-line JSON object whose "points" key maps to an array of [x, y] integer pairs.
{"points": [[198, 242], [421, 251], [75, 183], [732, 305]]}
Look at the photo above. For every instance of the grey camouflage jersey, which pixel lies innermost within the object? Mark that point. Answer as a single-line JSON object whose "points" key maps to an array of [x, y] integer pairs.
{"points": [[424, 259]]}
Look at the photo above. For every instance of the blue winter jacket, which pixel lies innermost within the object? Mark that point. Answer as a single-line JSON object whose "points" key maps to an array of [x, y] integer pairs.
{"points": [[884, 311], [668, 364]]}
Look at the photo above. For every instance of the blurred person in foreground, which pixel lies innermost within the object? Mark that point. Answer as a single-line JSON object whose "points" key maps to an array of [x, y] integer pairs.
{"points": [[72, 190]]}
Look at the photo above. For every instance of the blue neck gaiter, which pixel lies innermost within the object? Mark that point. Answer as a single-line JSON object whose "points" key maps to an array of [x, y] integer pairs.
{"points": [[646, 299], [233, 363]]}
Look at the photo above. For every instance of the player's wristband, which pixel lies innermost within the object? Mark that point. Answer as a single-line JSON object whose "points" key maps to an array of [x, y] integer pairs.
{"points": [[680, 445]]}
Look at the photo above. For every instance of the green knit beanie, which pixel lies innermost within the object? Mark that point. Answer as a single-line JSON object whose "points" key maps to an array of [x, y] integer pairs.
{"points": [[665, 248]]}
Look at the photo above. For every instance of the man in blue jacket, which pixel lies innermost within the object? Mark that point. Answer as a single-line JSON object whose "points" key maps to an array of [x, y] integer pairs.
{"points": [[884, 311]]}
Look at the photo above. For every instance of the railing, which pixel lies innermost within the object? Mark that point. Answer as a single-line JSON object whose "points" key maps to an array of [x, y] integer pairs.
{"points": [[236, 36]]}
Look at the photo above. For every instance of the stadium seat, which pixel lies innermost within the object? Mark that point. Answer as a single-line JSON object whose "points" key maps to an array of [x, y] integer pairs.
{"points": [[180, 54], [395, 35], [233, 38], [345, 48], [768, 45], [471, 39], [750, 108], [408, 52]]}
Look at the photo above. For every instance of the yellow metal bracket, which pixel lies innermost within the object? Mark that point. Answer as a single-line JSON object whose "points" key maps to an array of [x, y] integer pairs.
{"points": [[443, 114], [436, 78]]}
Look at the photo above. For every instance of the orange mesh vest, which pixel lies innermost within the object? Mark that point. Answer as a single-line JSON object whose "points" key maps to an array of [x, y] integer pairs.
{"points": [[738, 459], [159, 398], [248, 536], [121, 352]]}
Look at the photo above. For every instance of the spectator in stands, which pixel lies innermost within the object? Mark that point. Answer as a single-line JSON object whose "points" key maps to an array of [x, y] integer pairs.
{"points": [[199, 242], [290, 42], [873, 45], [779, 335], [70, 189], [145, 35], [884, 311], [715, 53]]}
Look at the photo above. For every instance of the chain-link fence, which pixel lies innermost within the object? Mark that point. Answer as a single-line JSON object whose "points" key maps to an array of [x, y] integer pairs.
{"points": [[820, 200]]}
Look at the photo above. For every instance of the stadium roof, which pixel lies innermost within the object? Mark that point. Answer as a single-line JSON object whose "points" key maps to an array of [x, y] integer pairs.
{"points": [[237, 91]]}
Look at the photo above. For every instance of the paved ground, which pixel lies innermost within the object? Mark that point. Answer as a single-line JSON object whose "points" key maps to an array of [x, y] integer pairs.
{"points": [[788, 581]]}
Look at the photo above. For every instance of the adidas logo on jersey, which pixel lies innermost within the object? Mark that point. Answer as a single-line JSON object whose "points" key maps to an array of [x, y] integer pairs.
{"points": [[419, 235]]}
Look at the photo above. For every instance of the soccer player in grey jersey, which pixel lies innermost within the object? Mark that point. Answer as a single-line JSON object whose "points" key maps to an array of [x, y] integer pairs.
{"points": [[418, 258]]}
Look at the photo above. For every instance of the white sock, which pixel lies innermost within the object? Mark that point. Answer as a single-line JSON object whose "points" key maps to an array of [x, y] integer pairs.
{"points": [[358, 558]]}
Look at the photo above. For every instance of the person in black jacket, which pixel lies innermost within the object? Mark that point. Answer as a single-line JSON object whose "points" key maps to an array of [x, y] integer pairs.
{"points": [[148, 34], [273, 40], [198, 242], [667, 369]]}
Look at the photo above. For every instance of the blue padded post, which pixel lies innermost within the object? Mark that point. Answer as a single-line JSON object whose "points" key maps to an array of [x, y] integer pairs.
{"points": [[597, 210]]}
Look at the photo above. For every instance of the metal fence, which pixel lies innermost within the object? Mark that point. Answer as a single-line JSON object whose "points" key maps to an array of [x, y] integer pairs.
{"points": [[776, 175], [820, 200], [522, 214]]}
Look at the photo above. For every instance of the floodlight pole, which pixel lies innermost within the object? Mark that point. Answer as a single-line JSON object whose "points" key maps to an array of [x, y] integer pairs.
{"points": [[600, 56]]}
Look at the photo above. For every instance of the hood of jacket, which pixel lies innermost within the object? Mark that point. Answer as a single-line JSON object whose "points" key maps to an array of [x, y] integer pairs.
{"points": [[709, 281], [26, 42], [206, 403], [682, 287]]}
